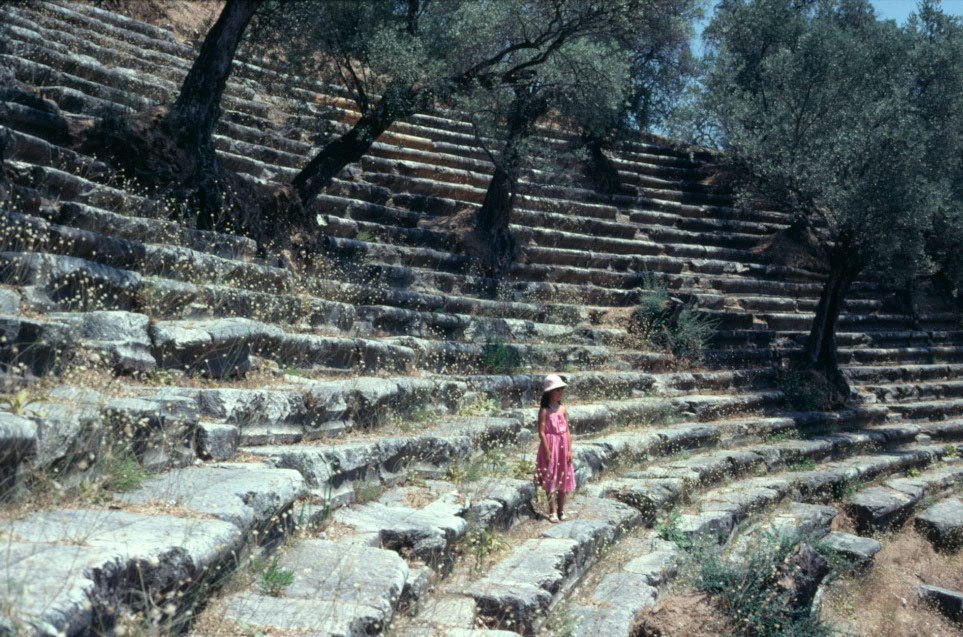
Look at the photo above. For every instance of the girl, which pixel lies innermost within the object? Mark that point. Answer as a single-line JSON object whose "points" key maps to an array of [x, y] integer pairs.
{"points": [[554, 470]]}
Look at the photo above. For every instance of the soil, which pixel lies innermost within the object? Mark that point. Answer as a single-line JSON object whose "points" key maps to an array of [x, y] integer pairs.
{"points": [[683, 614], [787, 248], [882, 602], [145, 149], [188, 19]]}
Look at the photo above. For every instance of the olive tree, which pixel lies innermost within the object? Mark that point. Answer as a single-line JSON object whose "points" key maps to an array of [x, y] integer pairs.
{"points": [[170, 151], [396, 58], [592, 82], [851, 123]]}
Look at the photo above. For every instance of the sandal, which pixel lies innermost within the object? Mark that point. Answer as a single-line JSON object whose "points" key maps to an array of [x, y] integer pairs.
{"points": [[553, 517]]}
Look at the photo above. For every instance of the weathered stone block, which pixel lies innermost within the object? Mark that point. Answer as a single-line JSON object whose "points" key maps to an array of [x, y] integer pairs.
{"points": [[942, 524]]}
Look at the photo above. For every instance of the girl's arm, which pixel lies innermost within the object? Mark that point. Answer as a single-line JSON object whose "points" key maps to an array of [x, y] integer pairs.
{"points": [[568, 438], [542, 416]]}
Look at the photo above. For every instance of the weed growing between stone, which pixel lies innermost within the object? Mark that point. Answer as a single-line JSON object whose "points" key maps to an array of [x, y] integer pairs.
{"points": [[122, 472], [751, 589], [667, 323], [275, 578]]}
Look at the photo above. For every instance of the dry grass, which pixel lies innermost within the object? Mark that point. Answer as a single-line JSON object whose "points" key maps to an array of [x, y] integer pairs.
{"points": [[683, 614], [883, 601], [188, 19]]}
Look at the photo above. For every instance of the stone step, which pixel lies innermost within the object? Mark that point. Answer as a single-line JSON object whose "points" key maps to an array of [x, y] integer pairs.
{"points": [[849, 357], [879, 508], [869, 374], [567, 266], [362, 220], [332, 471], [874, 335], [339, 588], [57, 282], [103, 53], [517, 592], [942, 523], [609, 604], [900, 392], [946, 601], [62, 585], [929, 409], [619, 596]]}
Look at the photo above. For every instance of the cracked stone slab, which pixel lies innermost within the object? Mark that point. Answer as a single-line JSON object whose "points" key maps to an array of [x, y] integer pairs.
{"points": [[852, 547], [426, 532], [65, 570], [517, 592], [246, 495], [338, 589], [121, 336], [616, 601], [217, 441], [18, 444], [879, 508]]}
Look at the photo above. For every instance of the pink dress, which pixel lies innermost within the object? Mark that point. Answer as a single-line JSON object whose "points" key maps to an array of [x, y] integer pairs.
{"points": [[552, 473]]}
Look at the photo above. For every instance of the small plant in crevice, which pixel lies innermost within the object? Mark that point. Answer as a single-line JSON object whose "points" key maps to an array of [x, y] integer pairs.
{"points": [[480, 544], [365, 491], [17, 402], [500, 357], [845, 488], [669, 529], [122, 472], [480, 406], [803, 464], [670, 324], [275, 578]]}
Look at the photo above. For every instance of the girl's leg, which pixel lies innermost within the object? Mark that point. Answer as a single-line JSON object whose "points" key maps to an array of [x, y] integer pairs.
{"points": [[551, 502], [561, 503]]}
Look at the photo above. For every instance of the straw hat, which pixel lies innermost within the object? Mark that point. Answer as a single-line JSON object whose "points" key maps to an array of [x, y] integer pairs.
{"points": [[552, 381]]}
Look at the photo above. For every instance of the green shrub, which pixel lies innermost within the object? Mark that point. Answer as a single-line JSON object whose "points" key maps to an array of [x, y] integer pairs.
{"points": [[480, 544], [122, 472], [747, 589], [691, 333], [274, 579], [659, 321], [499, 357]]}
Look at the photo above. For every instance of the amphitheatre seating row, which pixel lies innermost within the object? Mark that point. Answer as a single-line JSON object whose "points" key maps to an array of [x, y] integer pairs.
{"points": [[393, 392]]}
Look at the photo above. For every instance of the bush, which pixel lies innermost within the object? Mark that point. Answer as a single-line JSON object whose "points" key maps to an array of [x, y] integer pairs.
{"points": [[747, 589], [667, 323]]}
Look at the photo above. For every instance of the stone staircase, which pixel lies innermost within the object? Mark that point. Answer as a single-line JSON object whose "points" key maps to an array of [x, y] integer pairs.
{"points": [[368, 428]]}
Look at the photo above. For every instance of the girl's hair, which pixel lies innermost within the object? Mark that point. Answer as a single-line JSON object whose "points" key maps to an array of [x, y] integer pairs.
{"points": [[546, 403]]}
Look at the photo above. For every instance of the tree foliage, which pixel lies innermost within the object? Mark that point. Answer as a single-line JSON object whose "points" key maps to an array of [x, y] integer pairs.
{"points": [[398, 57], [853, 123]]}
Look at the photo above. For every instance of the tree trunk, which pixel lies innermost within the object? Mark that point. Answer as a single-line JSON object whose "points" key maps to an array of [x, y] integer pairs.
{"points": [[4, 186], [198, 107], [820, 352], [398, 101], [495, 213], [600, 170]]}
